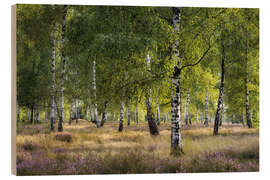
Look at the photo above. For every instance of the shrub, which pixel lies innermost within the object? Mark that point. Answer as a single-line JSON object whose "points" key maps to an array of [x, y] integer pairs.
{"points": [[29, 146], [67, 137]]}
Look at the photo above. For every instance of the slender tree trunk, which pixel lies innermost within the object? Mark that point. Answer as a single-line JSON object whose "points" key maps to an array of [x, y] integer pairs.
{"points": [[176, 141], [197, 116], [221, 90], [18, 112], [120, 128], [76, 111], [128, 114], [32, 114], [150, 115], [71, 113], [186, 112], [36, 119], [95, 95], [189, 114], [158, 115], [62, 109], [137, 115], [242, 118], [28, 114], [104, 115]]}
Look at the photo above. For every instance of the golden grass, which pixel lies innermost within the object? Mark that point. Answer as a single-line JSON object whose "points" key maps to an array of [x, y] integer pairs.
{"points": [[107, 143]]}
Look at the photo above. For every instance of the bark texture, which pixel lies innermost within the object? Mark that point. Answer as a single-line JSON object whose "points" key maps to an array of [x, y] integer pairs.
{"points": [[62, 109], [221, 90], [95, 95], [52, 111], [128, 114], [150, 115], [176, 141]]}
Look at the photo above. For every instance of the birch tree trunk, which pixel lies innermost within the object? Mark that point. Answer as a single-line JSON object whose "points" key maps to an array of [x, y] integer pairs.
{"points": [[158, 115], [128, 114], [221, 112], [52, 111], [150, 115], [189, 114], [62, 109], [221, 90], [71, 113], [95, 95], [120, 128], [104, 115], [206, 109], [176, 142], [76, 111], [36, 119]]}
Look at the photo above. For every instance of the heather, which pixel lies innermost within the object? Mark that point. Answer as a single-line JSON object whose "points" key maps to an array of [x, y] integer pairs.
{"points": [[84, 149]]}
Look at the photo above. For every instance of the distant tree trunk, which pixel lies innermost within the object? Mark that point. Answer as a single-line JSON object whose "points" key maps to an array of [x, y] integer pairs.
{"points": [[32, 114], [18, 113], [76, 111], [221, 90], [104, 115], [28, 114], [206, 110], [71, 113], [87, 113], [46, 115], [95, 95], [137, 114], [120, 128], [189, 113], [150, 115], [36, 119], [186, 112], [62, 109], [197, 116], [128, 114]]}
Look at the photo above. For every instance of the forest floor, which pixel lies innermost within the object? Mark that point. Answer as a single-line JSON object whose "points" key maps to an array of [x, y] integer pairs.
{"points": [[84, 149]]}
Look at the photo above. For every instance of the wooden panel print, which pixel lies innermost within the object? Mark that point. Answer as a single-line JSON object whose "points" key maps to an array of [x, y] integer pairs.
{"points": [[130, 90]]}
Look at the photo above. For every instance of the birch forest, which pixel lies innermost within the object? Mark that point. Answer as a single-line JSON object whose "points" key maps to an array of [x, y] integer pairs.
{"points": [[119, 89]]}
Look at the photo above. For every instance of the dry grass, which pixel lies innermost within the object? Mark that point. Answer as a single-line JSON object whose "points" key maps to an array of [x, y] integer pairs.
{"points": [[105, 150]]}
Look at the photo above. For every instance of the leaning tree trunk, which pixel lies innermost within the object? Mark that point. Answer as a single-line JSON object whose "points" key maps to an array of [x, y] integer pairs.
{"points": [[206, 109], [120, 128], [150, 115], [104, 115], [221, 90], [95, 95], [62, 109], [52, 111], [176, 141], [36, 119]]}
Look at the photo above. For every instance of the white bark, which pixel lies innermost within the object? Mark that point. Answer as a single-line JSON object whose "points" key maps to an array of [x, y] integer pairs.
{"points": [[52, 111], [95, 94]]}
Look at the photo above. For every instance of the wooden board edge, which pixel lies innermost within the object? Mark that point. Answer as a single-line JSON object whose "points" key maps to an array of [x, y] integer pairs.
{"points": [[13, 90]]}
